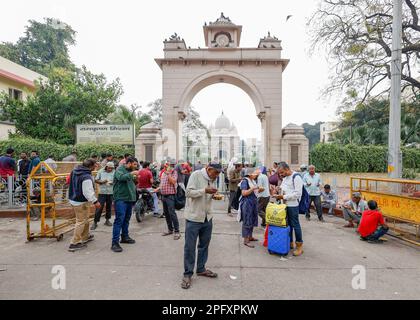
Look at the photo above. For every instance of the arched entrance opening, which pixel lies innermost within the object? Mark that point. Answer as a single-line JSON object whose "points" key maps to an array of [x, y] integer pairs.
{"points": [[206, 80], [231, 126], [258, 71]]}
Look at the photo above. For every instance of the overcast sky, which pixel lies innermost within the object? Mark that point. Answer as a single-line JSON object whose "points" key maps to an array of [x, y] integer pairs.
{"points": [[121, 39]]}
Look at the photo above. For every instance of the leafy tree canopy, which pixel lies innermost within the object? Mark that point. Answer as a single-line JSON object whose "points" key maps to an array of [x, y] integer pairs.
{"points": [[358, 38], [67, 98], [129, 115], [368, 123], [312, 132], [43, 47]]}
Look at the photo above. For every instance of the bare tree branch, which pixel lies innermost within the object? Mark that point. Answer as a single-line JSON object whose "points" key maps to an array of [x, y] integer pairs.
{"points": [[358, 38]]}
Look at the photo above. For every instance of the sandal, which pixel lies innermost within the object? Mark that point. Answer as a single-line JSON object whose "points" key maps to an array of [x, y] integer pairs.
{"points": [[177, 236], [167, 233], [208, 273], [249, 245], [186, 283], [253, 239]]}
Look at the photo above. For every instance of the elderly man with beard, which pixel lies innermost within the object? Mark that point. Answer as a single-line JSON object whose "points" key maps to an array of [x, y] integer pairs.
{"points": [[199, 224]]}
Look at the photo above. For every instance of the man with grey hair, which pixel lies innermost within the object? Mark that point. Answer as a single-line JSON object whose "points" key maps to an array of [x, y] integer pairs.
{"points": [[199, 221], [291, 193], [353, 209], [312, 182]]}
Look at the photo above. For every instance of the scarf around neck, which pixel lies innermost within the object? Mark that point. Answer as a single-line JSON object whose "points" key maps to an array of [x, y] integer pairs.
{"points": [[251, 184], [205, 174]]}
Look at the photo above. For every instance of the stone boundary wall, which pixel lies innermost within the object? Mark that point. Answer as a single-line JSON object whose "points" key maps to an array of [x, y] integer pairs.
{"points": [[342, 180]]}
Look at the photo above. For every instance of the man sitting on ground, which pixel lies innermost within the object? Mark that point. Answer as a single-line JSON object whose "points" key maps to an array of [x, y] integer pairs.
{"points": [[372, 226], [329, 199], [352, 209]]}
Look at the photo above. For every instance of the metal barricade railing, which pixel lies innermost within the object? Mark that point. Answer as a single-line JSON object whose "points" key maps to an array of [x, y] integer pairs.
{"points": [[398, 200], [13, 194], [47, 191]]}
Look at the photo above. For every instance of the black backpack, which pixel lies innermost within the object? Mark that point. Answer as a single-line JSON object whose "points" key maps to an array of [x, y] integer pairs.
{"points": [[180, 198], [304, 200]]}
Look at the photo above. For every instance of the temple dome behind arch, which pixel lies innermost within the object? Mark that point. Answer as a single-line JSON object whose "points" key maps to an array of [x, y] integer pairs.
{"points": [[222, 122]]}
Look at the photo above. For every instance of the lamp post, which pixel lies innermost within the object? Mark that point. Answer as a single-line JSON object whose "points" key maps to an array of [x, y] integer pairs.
{"points": [[394, 137]]}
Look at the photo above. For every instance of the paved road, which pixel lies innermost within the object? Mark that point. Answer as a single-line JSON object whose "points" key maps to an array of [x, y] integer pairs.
{"points": [[152, 268]]}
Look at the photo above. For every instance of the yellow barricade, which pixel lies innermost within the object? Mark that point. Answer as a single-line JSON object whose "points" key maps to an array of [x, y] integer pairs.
{"points": [[398, 200], [47, 189]]}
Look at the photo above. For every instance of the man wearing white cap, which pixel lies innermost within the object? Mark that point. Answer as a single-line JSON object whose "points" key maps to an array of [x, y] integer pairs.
{"points": [[104, 179]]}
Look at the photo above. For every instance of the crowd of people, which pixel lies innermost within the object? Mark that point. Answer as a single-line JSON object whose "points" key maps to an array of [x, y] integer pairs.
{"points": [[20, 168], [249, 189]]}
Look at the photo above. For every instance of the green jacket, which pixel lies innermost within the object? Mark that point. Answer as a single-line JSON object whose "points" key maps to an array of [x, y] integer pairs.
{"points": [[124, 186]]}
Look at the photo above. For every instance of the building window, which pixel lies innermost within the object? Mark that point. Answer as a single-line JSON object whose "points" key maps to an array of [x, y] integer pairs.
{"points": [[148, 152], [15, 94], [294, 154]]}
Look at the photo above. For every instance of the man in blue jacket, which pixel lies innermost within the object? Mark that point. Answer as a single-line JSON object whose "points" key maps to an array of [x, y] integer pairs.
{"points": [[35, 160], [81, 192]]}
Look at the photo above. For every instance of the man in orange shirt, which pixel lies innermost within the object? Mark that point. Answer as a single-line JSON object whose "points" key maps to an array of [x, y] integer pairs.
{"points": [[372, 225]]}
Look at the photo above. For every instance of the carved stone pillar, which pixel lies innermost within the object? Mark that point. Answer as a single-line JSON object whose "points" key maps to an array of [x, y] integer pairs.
{"points": [[181, 117], [264, 138]]}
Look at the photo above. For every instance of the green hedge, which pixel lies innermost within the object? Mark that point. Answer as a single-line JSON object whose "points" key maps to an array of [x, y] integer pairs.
{"points": [[59, 151], [353, 158]]}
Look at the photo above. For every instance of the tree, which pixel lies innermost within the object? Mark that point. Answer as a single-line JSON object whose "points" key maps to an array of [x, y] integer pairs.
{"points": [[155, 112], [194, 131], [129, 115], [368, 123], [44, 46], [312, 132], [66, 99], [358, 37], [191, 123]]}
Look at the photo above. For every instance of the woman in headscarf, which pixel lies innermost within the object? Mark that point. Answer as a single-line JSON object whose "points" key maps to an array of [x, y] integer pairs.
{"points": [[248, 205], [232, 162]]}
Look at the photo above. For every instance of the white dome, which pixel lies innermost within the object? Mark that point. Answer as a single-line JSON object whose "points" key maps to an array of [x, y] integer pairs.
{"points": [[222, 122]]}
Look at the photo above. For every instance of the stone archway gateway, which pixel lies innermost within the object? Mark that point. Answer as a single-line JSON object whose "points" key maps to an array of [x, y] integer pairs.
{"points": [[257, 71]]}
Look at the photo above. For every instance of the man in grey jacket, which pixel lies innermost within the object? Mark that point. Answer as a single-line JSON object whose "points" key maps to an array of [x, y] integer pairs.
{"points": [[200, 191]]}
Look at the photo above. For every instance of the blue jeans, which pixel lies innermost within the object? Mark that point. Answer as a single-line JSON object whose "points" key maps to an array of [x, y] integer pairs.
{"points": [[293, 222], [377, 234], [123, 211], [247, 231], [202, 231]]}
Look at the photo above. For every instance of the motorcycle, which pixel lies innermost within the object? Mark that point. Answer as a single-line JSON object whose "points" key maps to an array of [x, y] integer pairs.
{"points": [[143, 205]]}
